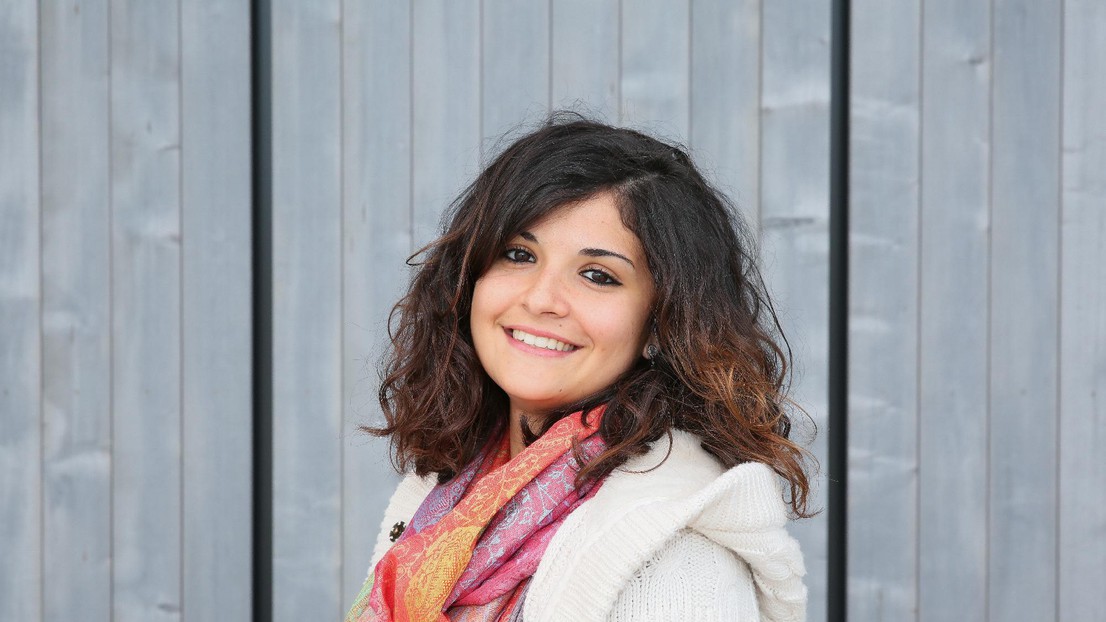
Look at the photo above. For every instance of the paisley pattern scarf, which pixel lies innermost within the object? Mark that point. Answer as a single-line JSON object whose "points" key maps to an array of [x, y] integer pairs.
{"points": [[474, 543]]}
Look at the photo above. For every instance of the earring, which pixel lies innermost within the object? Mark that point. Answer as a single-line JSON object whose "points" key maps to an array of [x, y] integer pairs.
{"points": [[651, 352]]}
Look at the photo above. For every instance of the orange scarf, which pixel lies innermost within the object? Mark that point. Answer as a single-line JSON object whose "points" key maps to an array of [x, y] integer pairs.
{"points": [[417, 579]]}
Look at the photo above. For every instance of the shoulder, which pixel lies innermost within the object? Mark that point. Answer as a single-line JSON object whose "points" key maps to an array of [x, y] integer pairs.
{"points": [[689, 578], [676, 488]]}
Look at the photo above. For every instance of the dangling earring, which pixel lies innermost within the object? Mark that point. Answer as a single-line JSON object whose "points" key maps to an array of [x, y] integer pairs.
{"points": [[652, 351]]}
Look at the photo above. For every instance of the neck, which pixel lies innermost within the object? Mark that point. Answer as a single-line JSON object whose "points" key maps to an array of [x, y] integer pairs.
{"points": [[515, 431]]}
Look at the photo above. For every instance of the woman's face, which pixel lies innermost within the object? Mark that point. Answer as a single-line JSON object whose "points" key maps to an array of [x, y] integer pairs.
{"points": [[564, 309]]}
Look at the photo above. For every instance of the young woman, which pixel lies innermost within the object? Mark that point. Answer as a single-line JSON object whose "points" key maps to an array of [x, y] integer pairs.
{"points": [[586, 388]]}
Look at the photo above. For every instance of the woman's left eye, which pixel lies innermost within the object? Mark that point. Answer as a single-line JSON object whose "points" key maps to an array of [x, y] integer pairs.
{"points": [[599, 277]]}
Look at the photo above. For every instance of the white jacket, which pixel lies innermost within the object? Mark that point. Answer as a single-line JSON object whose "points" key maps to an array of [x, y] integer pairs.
{"points": [[685, 540]]}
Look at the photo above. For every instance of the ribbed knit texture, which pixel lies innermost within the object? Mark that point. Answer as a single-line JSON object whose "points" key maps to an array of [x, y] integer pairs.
{"points": [[690, 579], [653, 529]]}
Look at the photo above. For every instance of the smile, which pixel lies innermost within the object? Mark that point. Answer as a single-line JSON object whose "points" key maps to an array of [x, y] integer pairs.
{"points": [[547, 343]]}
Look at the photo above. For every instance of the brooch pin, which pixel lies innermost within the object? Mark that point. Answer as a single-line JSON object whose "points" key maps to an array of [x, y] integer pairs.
{"points": [[397, 530]]}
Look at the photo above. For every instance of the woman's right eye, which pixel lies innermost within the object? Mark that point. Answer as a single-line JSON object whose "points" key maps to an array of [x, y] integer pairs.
{"points": [[518, 255]]}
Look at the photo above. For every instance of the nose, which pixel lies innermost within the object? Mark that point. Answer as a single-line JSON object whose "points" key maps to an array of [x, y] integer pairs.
{"points": [[546, 294]]}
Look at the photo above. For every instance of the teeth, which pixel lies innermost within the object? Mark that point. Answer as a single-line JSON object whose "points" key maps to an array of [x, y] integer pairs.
{"points": [[541, 342]]}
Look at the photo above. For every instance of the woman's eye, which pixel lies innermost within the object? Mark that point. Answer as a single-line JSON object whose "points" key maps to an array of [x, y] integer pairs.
{"points": [[518, 255], [599, 277]]}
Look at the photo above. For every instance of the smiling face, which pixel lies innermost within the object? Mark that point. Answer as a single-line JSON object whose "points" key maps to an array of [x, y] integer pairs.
{"points": [[563, 310]]}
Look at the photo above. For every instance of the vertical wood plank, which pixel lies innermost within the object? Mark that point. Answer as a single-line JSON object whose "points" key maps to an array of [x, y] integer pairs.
{"points": [[307, 306], [216, 351], [953, 417], [885, 112], [145, 279], [585, 64], [725, 98], [655, 83], [376, 239], [794, 191], [515, 72], [20, 330], [445, 107], [1083, 315], [76, 308], [1024, 320]]}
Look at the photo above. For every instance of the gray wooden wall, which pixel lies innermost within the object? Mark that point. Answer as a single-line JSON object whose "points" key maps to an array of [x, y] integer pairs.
{"points": [[383, 111], [977, 451], [977, 286], [125, 318]]}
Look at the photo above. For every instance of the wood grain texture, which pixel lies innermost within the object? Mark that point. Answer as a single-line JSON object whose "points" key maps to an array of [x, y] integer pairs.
{"points": [[515, 70], [216, 285], [307, 308], [445, 107], [884, 124], [145, 301], [585, 49], [725, 98], [1024, 320], [655, 80], [794, 190], [954, 311], [376, 239], [1082, 480], [20, 331], [76, 311]]}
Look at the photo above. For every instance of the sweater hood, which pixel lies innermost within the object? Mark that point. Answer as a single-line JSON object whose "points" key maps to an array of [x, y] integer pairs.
{"points": [[674, 486]]}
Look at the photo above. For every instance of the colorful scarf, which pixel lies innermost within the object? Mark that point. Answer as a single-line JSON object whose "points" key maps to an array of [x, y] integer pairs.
{"points": [[474, 543]]}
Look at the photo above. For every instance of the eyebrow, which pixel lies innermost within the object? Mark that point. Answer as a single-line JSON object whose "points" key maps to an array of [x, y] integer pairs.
{"points": [[587, 252]]}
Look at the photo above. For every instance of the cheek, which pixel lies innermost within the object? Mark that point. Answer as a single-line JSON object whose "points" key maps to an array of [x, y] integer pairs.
{"points": [[483, 306], [480, 318], [622, 334], [485, 296]]}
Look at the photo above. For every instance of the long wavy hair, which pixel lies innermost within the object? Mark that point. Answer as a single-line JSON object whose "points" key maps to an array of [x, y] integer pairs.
{"points": [[722, 372]]}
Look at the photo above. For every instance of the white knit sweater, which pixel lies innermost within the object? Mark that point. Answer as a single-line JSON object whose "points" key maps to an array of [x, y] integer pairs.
{"points": [[663, 539]]}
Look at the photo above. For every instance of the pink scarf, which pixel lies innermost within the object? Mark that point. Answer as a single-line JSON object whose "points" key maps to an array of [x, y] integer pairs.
{"points": [[506, 509]]}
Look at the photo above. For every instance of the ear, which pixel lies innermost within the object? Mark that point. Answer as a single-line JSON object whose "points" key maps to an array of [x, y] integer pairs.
{"points": [[652, 346]]}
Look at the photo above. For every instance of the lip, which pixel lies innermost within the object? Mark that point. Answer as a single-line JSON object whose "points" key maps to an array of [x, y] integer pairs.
{"points": [[525, 347]]}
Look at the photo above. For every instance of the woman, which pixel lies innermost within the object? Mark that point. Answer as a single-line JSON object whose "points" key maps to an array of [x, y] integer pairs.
{"points": [[587, 392]]}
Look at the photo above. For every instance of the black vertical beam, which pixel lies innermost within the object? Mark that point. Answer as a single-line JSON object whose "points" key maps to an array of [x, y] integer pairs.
{"points": [[261, 146], [837, 468]]}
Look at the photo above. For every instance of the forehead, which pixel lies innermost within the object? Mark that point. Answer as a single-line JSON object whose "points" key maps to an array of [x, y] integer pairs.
{"points": [[590, 222]]}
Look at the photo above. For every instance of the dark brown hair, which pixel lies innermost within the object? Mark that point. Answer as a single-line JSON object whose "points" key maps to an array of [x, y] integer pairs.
{"points": [[723, 368]]}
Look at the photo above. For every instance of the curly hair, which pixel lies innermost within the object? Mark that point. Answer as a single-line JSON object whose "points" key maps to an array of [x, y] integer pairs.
{"points": [[723, 371]]}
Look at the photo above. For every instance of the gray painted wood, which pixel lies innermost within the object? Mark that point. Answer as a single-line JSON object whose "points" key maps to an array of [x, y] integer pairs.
{"points": [[76, 308], [883, 311], [585, 51], [655, 76], [446, 116], [794, 190], [954, 312], [977, 294], [307, 308], [376, 239], [145, 303], [1082, 477], [216, 355], [1024, 320], [20, 330], [515, 69], [725, 98]]}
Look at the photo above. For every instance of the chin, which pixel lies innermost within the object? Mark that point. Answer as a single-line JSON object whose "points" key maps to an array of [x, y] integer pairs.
{"points": [[537, 403]]}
